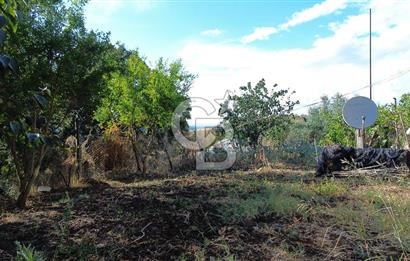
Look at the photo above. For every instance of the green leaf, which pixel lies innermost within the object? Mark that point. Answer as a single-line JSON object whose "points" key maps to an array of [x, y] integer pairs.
{"points": [[46, 91], [4, 61], [3, 21], [41, 100], [2, 37], [15, 127], [46, 140], [33, 137], [12, 64]]}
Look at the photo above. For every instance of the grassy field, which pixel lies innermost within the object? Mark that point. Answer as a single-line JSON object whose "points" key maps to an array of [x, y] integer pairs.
{"points": [[275, 214]]}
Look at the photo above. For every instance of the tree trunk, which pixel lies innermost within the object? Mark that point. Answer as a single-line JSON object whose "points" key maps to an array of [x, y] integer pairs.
{"points": [[144, 165], [169, 159], [165, 141], [71, 171], [136, 154], [25, 192], [31, 172], [145, 153], [78, 149]]}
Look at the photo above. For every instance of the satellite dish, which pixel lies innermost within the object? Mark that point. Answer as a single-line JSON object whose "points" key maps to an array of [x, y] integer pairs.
{"points": [[360, 112]]}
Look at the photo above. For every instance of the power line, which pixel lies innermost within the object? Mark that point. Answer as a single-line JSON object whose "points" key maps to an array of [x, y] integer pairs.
{"points": [[388, 79]]}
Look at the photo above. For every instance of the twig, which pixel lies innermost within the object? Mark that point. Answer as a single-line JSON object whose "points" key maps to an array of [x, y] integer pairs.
{"points": [[324, 237], [206, 218], [337, 242], [143, 233], [373, 172]]}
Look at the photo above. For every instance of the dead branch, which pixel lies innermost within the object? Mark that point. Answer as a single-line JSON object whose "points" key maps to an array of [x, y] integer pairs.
{"points": [[142, 232]]}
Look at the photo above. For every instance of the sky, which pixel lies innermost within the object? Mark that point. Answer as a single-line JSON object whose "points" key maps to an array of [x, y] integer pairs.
{"points": [[314, 48]]}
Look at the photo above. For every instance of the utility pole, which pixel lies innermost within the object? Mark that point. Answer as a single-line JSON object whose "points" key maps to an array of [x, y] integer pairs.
{"points": [[370, 53], [360, 133]]}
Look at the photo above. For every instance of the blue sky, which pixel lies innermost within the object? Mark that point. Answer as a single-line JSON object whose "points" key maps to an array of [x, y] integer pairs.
{"points": [[161, 28], [313, 47]]}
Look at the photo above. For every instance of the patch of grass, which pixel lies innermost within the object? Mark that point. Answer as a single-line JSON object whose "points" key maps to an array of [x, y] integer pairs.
{"points": [[277, 200], [371, 212], [64, 248], [330, 188], [183, 203], [83, 250], [292, 251], [150, 194], [354, 220]]}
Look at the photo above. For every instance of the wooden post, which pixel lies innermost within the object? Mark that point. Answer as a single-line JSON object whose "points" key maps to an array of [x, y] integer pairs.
{"points": [[359, 139], [360, 135]]}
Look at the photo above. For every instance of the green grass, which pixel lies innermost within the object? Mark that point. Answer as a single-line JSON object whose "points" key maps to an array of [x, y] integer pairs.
{"points": [[330, 188], [374, 215], [354, 206], [251, 201], [262, 197]]}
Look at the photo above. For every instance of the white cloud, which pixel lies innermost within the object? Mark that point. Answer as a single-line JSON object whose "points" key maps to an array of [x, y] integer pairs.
{"points": [[143, 5], [337, 63], [318, 10], [212, 32], [102, 8], [98, 12], [260, 33]]}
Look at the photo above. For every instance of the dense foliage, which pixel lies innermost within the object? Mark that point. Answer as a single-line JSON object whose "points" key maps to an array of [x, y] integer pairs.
{"points": [[65, 74], [142, 100], [324, 125], [258, 111]]}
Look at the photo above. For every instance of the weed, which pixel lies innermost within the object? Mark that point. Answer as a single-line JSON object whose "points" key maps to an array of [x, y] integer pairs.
{"points": [[330, 188], [151, 194], [182, 258], [199, 255], [269, 200], [27, 253], [291, 250], [399, 226]]}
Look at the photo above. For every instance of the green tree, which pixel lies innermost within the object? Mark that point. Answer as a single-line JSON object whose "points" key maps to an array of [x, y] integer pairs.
{"points": [[326, 123], [392, 122], [60, 70], [142, 100], [8, 12], [257, 112]]}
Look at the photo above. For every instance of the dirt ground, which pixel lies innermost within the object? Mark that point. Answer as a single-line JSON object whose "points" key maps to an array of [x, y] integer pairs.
{"points": [[209, 217]]}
